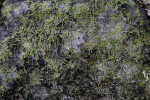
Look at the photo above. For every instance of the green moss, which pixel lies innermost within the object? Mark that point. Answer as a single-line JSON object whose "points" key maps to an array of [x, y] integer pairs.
{"points": [[44, 28], [6, 11]]}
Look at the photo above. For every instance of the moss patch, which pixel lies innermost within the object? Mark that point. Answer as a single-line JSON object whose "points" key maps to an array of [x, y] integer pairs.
{"points": [[43, 27]]}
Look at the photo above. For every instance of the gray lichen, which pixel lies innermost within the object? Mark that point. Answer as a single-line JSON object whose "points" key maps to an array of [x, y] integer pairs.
{"points": [[74, 49]]}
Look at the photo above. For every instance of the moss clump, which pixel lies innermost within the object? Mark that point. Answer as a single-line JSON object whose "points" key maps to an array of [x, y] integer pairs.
{"points": [[42, 26]]}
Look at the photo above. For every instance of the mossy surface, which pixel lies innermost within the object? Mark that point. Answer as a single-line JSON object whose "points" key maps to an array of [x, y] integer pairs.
{"points": [[110, 64]]}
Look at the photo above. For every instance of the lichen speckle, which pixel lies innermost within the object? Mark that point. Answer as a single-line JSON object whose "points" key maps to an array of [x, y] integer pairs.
{"points": [[74, 49]]}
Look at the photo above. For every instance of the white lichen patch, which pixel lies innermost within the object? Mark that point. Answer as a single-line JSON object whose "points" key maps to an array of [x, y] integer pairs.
{"points": [[145, 75], [26, 45], [21, 55], [63, 8], [20, 8], [77, 40]]}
